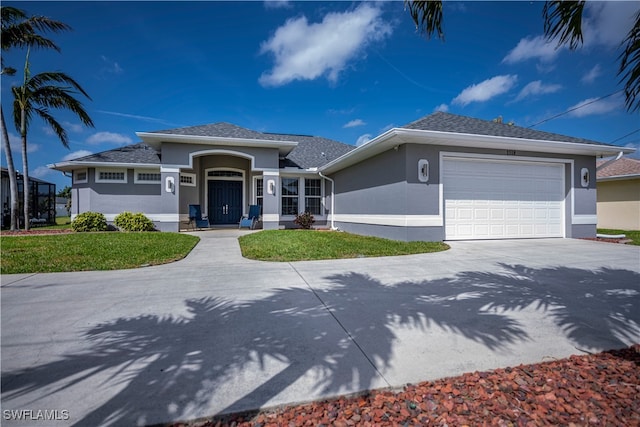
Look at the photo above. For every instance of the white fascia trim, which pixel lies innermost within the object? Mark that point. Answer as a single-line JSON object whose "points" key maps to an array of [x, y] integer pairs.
{"points": [[169, 169], [156, 139], [398, 136], [270, 172], [584, 219], [152, 217], [393, 220]]}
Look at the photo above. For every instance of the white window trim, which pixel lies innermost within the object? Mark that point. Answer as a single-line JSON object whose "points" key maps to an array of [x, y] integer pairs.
{"points": [[137, 171], [80, 181], [190, 175], [111, 181], [302, 196], [255, 189], [321, 196]]}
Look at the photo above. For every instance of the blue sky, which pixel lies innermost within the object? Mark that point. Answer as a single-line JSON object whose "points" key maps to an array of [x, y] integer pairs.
{"points": [[342, 70]]}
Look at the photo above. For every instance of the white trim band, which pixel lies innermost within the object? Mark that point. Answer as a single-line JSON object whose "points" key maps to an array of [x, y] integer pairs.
{"points": [[584, 219], [394, 220]]}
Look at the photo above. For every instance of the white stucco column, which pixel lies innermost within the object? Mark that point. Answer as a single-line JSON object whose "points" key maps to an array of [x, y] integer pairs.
{"points": [[271, 200], [170, 199]]}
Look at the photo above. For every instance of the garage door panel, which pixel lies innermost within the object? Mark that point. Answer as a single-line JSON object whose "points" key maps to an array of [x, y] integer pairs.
{"points": [[502, 199]]}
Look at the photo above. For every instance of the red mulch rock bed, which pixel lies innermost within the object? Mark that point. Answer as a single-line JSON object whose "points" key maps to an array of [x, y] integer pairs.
{"points": [[591, 390], [35, 231]]}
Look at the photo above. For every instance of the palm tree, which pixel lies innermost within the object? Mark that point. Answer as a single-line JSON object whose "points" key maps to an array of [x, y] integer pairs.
{"points": [[37, 95], [562, 21], [19, 30]]}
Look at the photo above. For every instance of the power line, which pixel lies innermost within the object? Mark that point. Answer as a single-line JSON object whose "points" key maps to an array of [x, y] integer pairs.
{"points": [[575, 108], [622, 137]]}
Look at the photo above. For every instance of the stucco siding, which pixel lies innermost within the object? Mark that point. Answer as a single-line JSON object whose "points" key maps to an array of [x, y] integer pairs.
{"points": [[384, 196], [181, 154], [619, 204], [375, 186]]}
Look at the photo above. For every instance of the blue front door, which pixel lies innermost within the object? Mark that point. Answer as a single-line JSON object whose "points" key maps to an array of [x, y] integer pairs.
{"points": [[225, 202]]}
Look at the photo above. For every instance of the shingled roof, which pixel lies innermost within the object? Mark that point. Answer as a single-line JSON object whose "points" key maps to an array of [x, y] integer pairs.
{"points": [[447, 122], [135, 153], [619, 168], [311, 151]]}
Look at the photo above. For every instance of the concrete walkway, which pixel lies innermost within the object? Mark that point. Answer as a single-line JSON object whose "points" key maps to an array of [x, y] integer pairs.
{"points": [[219, 333]]}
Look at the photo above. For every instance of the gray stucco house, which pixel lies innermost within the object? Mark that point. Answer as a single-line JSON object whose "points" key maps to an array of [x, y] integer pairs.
{"points": [[442, 177]]}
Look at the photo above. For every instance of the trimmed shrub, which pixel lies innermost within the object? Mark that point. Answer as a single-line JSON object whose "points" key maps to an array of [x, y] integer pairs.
{"points": [[127, 221], [304, 220], [89, 221]]}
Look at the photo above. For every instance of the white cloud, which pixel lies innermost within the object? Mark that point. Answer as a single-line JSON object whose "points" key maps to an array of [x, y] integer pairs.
{"points": [[486, 90], [304, 51], [592, 106], [76, 155], [387, 127], [40, 172], [533, 48], [607, 23], [354, 123], [15, 142], [110, 66], [134, 116], [277, 4], [442, 107], [363, 139], [537, 88], [108, 137], [592, 75], [68, 126], [636, 146]]}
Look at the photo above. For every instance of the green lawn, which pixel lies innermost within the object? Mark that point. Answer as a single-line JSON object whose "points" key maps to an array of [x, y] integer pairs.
{"points": [[299, 245], [91, 251], [631, 234]]}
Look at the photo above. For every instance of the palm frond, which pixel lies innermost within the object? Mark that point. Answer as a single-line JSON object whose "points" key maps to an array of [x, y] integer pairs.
{"points": [[563, 21], [630, 67], [60, 132], [19, 30], [61, 98], [427, 15], [42, 79]]}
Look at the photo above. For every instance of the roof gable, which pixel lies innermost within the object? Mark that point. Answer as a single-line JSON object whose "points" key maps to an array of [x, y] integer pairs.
{"points": [[310, 151]]}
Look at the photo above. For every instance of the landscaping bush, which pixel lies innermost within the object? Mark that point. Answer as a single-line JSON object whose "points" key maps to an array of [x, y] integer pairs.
{"points": [[304, 220], [127, 221], [89, 221]]}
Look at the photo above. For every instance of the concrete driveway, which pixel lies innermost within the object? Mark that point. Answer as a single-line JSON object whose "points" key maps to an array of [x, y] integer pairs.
{"points": [[218, 333]]}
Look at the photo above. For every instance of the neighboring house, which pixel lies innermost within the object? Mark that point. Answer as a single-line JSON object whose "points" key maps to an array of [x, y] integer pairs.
{"points": [[619, 194], [443, 177], [61, 206], [43, 196]]}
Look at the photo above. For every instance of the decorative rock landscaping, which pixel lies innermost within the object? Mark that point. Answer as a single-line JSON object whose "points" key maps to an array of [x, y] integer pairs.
{"points": [[599, 389]]}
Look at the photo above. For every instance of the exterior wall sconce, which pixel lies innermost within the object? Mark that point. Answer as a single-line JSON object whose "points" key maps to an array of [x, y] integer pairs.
{"points": [[271, 187], [423, 170], [170, 185], [584, 177]]}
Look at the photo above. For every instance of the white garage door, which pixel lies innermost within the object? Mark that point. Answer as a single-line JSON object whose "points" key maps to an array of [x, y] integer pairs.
{"points": [[489, 199]]}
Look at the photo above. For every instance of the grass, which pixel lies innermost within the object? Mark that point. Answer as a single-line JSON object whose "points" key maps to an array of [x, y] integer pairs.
{"points": [[91, 251], [631, 234], [302, 245]]}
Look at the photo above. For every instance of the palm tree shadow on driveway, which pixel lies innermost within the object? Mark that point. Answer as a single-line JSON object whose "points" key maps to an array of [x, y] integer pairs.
{"points": [[229, 356]]}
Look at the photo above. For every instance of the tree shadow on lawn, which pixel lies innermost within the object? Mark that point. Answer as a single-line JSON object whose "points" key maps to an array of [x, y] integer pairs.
{"points": [[170, 368]]}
